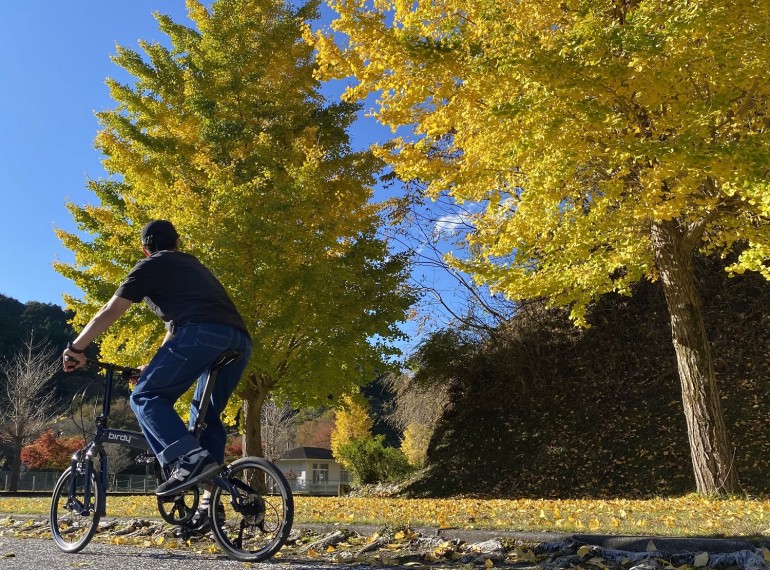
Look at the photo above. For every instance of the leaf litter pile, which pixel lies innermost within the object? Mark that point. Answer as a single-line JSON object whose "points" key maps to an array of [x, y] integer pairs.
{"points": [[389, 547], [323, 531], [690, 515]]}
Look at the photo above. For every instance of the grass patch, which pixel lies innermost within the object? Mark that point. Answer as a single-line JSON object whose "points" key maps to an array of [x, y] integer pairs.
{"points": [[691, 515]]}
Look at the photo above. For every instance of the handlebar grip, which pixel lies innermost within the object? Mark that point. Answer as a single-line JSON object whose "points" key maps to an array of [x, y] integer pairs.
{"points": [[91, 364]]}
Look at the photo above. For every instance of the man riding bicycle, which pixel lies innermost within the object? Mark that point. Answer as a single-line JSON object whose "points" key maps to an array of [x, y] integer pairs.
{"points": [[201, 322]]}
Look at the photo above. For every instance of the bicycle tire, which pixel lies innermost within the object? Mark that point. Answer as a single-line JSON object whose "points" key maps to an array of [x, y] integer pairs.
{"points": [[71, 529], [257, 522]]}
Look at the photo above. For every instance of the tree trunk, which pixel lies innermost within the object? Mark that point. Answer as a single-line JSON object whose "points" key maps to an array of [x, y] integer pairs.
{"points": [[253, 399], [710, 450], [13, 484]]}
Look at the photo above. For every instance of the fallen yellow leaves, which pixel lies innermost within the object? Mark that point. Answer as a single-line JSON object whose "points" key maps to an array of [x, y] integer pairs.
{"points": [[681, 516]]}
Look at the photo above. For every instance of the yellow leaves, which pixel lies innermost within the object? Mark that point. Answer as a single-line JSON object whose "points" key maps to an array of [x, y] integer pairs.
{"points": [[415, 442], [524, 555], [352, 422], [690, 515], [444, 551], [405, 535], [636, 63], [271, 201], [585, 77]]}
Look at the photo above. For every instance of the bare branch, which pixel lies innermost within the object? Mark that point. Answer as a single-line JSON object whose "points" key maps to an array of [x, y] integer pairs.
{"points": [[27, 403], [277, 428], [428, 231]]}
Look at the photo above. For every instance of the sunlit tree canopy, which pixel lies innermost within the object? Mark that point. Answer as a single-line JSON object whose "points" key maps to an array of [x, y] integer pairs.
{"points": [[223, 131]]}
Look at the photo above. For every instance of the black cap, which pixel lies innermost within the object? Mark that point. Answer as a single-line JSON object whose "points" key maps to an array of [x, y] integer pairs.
{"points": [[158, 235]]}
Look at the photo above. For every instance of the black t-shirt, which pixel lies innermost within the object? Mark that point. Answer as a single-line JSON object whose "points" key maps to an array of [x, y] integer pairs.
{"points": [[180, 290]]}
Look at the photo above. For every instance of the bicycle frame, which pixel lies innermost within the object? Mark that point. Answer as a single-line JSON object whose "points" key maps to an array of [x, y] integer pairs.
{"points": [[82, 460]]}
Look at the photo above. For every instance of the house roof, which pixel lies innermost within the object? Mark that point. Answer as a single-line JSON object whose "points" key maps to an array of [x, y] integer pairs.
{"points": [[309, 453]]}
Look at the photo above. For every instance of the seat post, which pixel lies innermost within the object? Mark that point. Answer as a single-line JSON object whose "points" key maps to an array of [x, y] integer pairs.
{"points": [[203, 404], [227, 357]]}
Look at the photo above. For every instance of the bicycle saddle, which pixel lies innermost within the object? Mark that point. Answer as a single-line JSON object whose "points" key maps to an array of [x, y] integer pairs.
{"points": [[226, 358]]}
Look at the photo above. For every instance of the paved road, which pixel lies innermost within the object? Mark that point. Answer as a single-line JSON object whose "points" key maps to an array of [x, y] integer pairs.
{"points": [[35, 554], [42, 554]]}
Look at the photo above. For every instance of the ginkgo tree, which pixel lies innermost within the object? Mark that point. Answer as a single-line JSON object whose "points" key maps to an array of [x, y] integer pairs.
{"points": [[603, 142], [352, 421], [226, 134]]}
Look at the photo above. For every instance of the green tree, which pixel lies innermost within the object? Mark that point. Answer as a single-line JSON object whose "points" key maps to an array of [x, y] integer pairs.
{"points": [[363, 454], [599, 142], [225, 134], [19, 320], [370, 461], [11, 332]]}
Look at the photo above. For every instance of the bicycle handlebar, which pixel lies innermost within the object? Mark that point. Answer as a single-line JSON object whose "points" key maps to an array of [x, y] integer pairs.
{"points": [[124, 370]]}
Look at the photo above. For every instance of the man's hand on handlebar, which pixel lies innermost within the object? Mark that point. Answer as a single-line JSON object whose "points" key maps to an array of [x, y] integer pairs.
{"points": [[71, 361]]}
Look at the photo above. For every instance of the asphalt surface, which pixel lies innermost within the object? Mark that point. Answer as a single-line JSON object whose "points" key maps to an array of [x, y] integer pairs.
{"points": [[37, 554]]}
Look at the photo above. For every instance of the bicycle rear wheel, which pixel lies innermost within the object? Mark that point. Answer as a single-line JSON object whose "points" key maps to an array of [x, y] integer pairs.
{"points": [[259, 513], [75, 520]]}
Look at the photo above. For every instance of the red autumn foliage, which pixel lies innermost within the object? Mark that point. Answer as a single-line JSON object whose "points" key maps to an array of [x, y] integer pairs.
{"points": [[50, 452], [234, 448]]}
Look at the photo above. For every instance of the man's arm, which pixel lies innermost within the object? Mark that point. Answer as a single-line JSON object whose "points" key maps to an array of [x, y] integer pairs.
{"points": [[101, 321]]}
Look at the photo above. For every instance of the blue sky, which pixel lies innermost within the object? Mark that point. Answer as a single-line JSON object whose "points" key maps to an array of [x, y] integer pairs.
{"points": [[55, 58]]}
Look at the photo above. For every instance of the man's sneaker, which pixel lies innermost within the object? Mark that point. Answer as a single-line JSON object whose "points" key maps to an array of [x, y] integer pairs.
{"points": [[187, 473], [201, 522]]}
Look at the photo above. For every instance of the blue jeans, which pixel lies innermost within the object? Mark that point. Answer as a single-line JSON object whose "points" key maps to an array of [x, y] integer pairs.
{"points": [[177, 365]]}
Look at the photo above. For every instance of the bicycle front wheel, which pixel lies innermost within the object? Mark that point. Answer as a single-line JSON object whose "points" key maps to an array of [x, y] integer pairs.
{"points": [[253, 521], [74, 519]]}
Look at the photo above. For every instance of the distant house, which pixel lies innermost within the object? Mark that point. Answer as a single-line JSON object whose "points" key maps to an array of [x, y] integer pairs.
{"points": [[313, 470]]}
